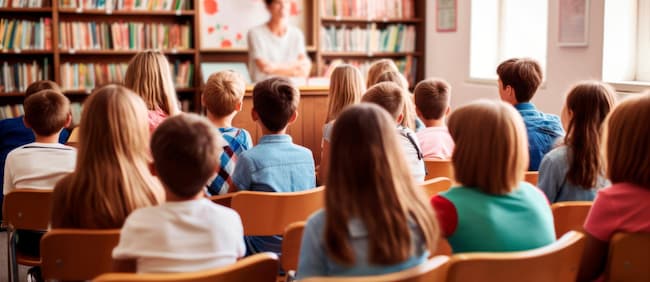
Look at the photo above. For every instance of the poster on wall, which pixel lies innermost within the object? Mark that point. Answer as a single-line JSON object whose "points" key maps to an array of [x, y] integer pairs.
{"points": [[224, 23], [446, 13], [574, 23]]}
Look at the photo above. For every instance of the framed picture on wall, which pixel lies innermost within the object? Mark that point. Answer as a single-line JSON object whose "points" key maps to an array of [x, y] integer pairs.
{"points": [[573, 23], [446, 15]]}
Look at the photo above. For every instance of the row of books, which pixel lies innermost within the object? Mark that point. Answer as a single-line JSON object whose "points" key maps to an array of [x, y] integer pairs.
{"points": [[142, 5], [17, 76], [407, 66], [393, 38], [124, 36], [18, 34], [370, 9], [24, 3], [16, 110]]}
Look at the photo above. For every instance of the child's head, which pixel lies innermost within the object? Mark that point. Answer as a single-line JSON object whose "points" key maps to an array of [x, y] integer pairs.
{"points": [[42, 85], [186, 152], [223, 93], [491, 150], [519, 79], [47, 112], [368, 173], [432, 98], [148, 75], [389, 96], [586, 107], [626, 141], [346, 88], [275, 103], [396, 77], [377, 68]]}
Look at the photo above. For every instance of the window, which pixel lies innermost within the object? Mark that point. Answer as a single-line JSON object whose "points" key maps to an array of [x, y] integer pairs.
{"points": [[503, 29]]}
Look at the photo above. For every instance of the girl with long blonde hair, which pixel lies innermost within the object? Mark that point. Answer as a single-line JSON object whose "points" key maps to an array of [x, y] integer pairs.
{"points": [[377, 68], [376, 220], [111, 177]]}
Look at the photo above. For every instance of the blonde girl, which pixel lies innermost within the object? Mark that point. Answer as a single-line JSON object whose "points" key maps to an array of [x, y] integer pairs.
{"points": [[376, 220], [111, 177], [410, 117], [574, 172], [346, 88], [377, 68], [149, 76]]}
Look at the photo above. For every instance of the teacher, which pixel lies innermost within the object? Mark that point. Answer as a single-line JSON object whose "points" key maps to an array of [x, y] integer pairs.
{"points": [[277, 48]]}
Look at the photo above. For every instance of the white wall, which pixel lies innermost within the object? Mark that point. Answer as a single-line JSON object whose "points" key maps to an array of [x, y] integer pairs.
{"points": [[448, 57]]}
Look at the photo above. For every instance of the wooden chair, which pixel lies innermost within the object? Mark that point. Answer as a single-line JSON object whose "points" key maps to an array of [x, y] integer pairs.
{"points": [[224, 200], [265, 214], [558, 261], [77, 254], [531, 177], [438, 168], [569, 216], [436, 185], [443, 249], [291, 241], [435, 269], [629, 257], [262, 267], [25, 209]]}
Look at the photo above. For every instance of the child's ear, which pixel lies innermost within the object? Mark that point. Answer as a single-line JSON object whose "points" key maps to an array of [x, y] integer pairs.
{"points": [[293, 117], [68, 120], [254, 115], [400, 118], [202, 100], [152, 169], [26, 123], [448, 111], [239, 105], [417, 111]]}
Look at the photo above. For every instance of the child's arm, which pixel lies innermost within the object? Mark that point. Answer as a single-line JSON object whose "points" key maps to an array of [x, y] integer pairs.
{"points": [[594, 258], [324, 163], [124, 265]]}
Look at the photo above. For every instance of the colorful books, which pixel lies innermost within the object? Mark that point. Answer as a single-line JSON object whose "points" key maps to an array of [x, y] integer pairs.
{"points": [[393, 38], [369, 9], [15, 77], [127, 5], [20, 35], [24, 3]]}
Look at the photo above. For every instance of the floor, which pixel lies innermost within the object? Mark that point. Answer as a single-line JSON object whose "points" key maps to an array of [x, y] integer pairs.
{"points": [[4, 275]]}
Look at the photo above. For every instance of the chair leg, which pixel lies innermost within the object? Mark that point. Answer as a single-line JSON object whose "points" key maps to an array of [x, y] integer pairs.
{"points": [[11, 256]]}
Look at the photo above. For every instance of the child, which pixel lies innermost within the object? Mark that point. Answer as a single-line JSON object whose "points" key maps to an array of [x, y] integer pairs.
{"points": [[377, 68], [223, 97], [390, 96], [492, 210], [410, 119], [518, 82], [187, 233], [574, 172], [368, 173], [149, 76], [346, 88], [275, 164], [432, 106], [111, 177], [623, 207]]}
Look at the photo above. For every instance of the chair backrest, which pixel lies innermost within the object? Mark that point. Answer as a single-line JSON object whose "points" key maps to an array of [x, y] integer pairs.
{"points": [[28, 209], [77, 254], [438, 168], [224, 200], [435, 269], [629, 257], [261, 267], [291, 241], [558, 261], [531, 177], [569, 216], [436, 185], [443, 248], [264, 213]]}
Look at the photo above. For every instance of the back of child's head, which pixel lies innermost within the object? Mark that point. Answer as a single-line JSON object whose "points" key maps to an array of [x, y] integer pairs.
{"points": [[346, 88], [47, 112], [149, 76], [39, 85], [186, 152], [393, 76], [387, 95], [222, 92], [491, 150], [432, 98], [275, 100], [524, 75], [626, 141], [377, 68], [366, 174], [587, 105], [396, 77]]}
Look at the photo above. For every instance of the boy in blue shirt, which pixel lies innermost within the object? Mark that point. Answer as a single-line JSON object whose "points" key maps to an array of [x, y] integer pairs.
{"points": [[275, 164], [519, 79]]}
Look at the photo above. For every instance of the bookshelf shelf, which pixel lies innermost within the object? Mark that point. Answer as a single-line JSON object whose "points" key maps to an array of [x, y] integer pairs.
{"points": [[120, 52], [147, 13], [12, 94], [26, 10], [26, 52], [330, 20], [77, 92], [370, 55]]}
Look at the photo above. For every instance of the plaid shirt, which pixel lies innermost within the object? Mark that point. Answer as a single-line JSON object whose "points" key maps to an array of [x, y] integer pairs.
{"points": [[239, 140]]}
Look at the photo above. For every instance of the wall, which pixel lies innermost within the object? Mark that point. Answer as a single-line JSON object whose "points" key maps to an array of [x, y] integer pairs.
{"points": [[448, 57]]}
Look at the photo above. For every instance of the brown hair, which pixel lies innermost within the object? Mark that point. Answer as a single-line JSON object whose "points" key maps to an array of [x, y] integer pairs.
{"points": [[388, 95], [626, 141], [222, 92], [589, 102], [148, 75], [377, 68], [186, 152], [369, 180], [47, 112], [275, 100], [491, 152], [524, 75], [432, 97], [39, 85], [409, 108], [346, 88]]}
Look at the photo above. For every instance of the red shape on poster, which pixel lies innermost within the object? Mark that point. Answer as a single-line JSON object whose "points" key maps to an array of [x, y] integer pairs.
{"points": [[211, 6]]}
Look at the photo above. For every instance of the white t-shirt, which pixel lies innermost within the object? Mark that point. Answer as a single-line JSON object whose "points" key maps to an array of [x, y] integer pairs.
{"points": [[412, 153], [263, 44], [38, 166], [183, 236]]}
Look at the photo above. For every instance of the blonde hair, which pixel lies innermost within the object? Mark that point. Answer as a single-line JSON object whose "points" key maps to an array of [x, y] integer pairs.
{"points": [[491, 152], [369, 180], [388, 95], [222, 92], [148, 75], [346, 88], [111, 178], [409, 108], [626, 141], [377, 68]]}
